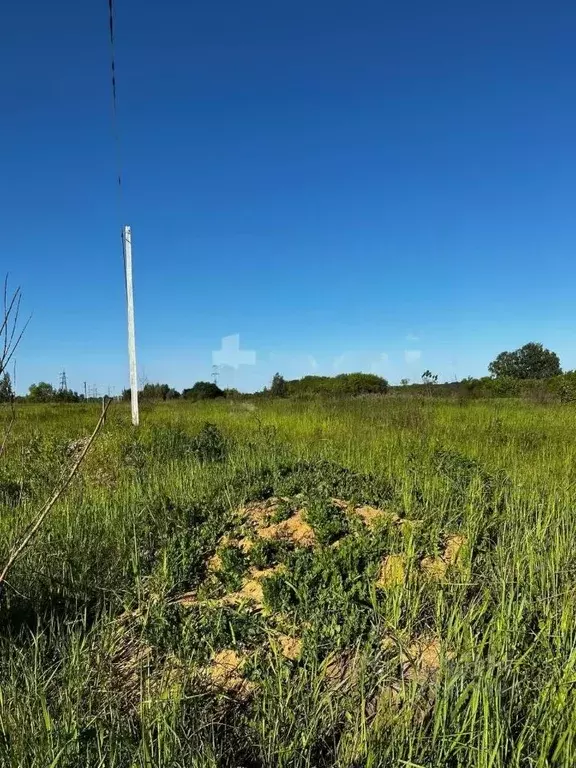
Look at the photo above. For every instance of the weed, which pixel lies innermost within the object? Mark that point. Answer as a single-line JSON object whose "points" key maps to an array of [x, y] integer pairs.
{"points": [[328, 521], [282, 512], [233, 565], [266, 553]]}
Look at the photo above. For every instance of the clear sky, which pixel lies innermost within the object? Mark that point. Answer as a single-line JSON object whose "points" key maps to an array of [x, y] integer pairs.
{"points": [[346, 185]]}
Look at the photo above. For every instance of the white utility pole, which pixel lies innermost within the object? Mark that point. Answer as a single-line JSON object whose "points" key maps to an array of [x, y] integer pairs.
{"points": [[127, 241]]}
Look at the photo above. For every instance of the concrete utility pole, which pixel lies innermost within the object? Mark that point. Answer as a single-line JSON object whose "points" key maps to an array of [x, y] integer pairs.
{"points": [[127, 242]]}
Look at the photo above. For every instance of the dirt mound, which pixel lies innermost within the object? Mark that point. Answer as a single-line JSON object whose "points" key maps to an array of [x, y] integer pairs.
{"points": [[421, 661], [259, 513], [453, 548], [294, 529], [416, 660], [261, 516], [370, 516], [290, 647], [251, 590], [225, 672], [437, 567]]}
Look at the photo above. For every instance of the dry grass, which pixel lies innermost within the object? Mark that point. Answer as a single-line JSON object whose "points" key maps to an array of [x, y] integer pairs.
{"points": [[392, 571]]}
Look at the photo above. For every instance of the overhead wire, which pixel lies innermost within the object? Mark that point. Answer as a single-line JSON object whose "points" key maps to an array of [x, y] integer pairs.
{"points": [[116, 128], [115, 121]]}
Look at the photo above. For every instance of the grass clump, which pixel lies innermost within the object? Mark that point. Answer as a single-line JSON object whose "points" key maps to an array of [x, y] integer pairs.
{"points": [[209, 444]]}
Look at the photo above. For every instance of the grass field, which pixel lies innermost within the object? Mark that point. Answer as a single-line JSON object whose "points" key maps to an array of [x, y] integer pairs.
{"points": [[371, 582]]}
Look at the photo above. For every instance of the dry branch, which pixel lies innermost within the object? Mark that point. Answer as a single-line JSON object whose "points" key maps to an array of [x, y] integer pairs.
{"points": [[10, 335]]}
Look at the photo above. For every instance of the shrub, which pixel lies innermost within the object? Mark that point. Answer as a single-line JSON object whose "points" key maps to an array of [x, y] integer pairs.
{"points": [[203, 390], [41, 392], [157, 392]]}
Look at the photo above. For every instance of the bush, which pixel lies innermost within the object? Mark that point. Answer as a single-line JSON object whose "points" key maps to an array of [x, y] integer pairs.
{"points": [[203, 390], [157, 392], [41, 392]]}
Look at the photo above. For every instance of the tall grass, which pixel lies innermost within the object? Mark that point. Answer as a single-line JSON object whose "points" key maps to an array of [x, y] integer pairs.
{"points": [[101, 666]]}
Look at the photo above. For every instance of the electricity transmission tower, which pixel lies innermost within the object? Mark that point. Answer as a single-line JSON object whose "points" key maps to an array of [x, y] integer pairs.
{"points": [[215, 374], [63, 382]]}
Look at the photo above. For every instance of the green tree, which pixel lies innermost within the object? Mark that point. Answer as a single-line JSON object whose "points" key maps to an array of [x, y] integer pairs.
{"points": [[203, 390], [429, 378], [155, 392], [532, 361], [6, 391], [278, 388], [360, 384], [67, 396], [41, 392]]}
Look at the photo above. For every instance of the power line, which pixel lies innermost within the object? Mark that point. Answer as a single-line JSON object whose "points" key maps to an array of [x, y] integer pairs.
{"points": [[114, 95]]}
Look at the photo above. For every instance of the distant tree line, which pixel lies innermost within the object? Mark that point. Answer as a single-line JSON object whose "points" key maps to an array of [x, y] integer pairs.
{"points": [[154, 392], [345, 384], [46, 393], [37, 393], [531, 370]]}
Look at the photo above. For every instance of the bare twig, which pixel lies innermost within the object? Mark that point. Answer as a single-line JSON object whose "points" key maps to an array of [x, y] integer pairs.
{"points": [[10, 335], [37, 522]]}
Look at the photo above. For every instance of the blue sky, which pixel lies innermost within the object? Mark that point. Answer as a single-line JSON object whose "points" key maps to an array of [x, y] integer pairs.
{"points": [[368, 185]]}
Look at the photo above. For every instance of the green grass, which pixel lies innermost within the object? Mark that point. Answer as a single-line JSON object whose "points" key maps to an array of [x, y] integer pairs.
{"points": [[101, 663]]}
